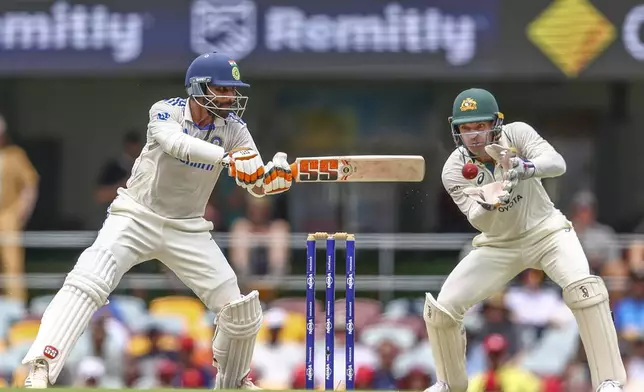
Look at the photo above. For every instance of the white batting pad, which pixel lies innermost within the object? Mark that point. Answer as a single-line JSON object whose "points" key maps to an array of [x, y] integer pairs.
{"points": [[588, 300], [447, 340], [232, 347], [86, 288]]}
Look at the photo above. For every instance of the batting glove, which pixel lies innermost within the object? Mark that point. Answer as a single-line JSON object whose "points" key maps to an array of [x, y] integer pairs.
{"points": [[246, 166], [278, 176]]}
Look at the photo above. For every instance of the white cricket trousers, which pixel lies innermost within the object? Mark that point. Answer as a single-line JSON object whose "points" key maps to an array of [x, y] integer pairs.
{"points": [[131, 234], [486, 270], [185, 246]]}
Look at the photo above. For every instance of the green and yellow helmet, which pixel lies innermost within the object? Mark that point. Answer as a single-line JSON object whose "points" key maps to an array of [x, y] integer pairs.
{"points": [[475, 105]]}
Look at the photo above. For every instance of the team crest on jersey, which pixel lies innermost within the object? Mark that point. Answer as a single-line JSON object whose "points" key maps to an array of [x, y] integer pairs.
{"points": [[217, 141], [468, 104]]}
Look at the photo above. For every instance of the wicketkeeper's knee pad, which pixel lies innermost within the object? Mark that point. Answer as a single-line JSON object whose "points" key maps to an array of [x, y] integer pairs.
{"points": [[447, 340], [93, 274], [588, 300]]}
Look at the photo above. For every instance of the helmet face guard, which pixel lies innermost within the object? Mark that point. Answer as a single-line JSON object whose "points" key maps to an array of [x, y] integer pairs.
{"points": [[495, 130], [200, 88]]}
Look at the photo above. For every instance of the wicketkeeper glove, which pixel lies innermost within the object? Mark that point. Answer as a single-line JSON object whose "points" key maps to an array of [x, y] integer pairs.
{"points": [[515, 168], [489, 196]]}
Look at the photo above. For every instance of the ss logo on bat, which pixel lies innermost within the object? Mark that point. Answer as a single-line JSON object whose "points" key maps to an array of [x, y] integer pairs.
{"points": [[318, 170]]}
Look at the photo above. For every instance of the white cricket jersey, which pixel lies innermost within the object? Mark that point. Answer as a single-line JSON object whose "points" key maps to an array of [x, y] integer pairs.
{"points": [[175, 173], [530, 205]]}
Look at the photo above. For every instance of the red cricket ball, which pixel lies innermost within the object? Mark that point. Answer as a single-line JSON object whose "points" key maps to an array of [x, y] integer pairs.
{"points": [[470, 170]]}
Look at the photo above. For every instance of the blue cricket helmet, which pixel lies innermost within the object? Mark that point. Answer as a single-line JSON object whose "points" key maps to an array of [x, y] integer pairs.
{"points": [[215, 69]]}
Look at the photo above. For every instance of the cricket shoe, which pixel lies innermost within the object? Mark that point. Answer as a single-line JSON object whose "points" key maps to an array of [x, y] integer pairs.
{"points": [[610, 386], [38, 377], [438, 387], [247, 383]]}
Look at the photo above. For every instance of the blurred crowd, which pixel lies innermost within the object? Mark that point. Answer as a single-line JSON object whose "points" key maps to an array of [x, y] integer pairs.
{"points": [[523, 339]]}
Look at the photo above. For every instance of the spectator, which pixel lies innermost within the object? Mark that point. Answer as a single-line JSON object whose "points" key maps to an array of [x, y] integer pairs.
{"points": [[194, 378], [383, 377], [90, 373], [598, 241], [116, 171], [629, 312], [106, 348], [166, 374], [364, 378], [271, 255], [415, 379], [191, 374], [19, 185], [533, 304], [132, 378], [616, 276], [496, 320], [553, 384], [174, 367], [576, 377], [635, 253], [501, 375], [115, 322], [157, 347], [635, 363], [298, 380], [276, 361]]}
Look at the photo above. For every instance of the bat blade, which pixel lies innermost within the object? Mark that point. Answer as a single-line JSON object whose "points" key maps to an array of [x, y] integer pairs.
{"points": [[359, 168]]}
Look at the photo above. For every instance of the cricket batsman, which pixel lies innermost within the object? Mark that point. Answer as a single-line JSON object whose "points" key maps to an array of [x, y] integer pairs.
{"points": [[520, 228], [159, 215]]}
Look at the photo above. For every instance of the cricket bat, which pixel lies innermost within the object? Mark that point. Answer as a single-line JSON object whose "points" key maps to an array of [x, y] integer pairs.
{"points": [[358, 168]]}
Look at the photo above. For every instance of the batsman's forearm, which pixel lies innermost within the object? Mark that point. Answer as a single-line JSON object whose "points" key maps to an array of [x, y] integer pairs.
{"points": [[184, 147], [548, 165]]}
